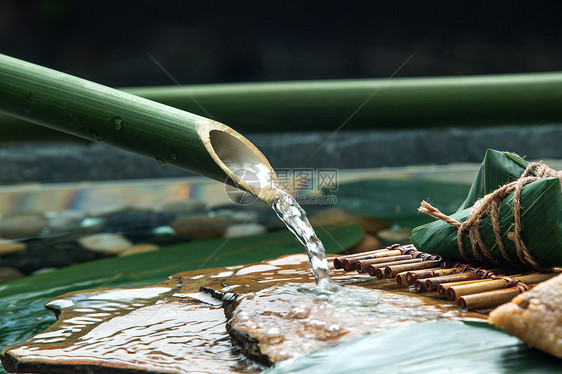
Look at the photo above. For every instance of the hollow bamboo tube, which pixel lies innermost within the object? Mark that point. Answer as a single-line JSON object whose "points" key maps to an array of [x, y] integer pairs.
{"points": [[456, 291], [489, 299], [467, 289], [414, 275], [432, 283], [419, 286], [301, 105], [102, 114], [401, 279], [350, 264], [391, 270], [372, 269], [443, 287], [535, 277], [362, 265], [338, 261]]}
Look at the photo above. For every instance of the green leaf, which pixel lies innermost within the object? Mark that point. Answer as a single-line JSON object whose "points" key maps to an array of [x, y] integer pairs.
{"points": [[541, 216], [397, 200], [497, 169], [437, 347], [22, 300]]}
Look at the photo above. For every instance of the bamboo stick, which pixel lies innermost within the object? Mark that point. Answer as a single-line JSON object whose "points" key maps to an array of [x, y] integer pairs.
{"points": [[467, 289], [401, 279], [372, 269], [338, 261], [443, 287], [350, 264], [414, 275], [456, 291], [432, 283], [391, 270], [490, 299], [362, 265], [400, 103], [98, 113]]}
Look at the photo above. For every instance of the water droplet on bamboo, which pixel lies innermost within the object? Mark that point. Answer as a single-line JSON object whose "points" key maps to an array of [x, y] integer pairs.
{"points": [[28, 94], [117, 123], [96, 135], [159, 160], [173, 154]]}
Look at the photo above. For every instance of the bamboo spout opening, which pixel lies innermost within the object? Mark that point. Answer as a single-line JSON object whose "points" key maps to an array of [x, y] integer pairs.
{"points": [[244, 164]]}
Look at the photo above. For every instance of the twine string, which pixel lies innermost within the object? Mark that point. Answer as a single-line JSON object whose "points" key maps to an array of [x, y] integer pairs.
{"points": [[489, 205]]}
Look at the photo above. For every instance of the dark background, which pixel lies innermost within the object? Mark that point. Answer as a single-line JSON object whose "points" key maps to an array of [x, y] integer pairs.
{"points": [[215, 42]]}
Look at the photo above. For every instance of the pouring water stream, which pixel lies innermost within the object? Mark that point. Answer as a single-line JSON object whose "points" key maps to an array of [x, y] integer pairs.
{"points": [[250, 170], [292, 215]]}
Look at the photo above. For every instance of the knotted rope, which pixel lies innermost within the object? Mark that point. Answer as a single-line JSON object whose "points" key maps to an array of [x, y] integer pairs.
{"points": [[490, 204]]}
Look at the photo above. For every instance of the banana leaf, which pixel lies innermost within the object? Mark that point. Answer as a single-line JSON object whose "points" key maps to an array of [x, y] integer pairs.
{"points": [[541, 216], [23, 313], [396, 200], [437, 347], [497, 169]]}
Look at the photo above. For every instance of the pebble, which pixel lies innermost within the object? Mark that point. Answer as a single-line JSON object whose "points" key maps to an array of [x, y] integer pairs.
{"points": [[140, 248], [135, 219], [8, 274], [39, 255], [10, 246], [110, 244], [92, 224], [65, 221], [200, 226], [184, 207], [22, 225], [245, 229]]}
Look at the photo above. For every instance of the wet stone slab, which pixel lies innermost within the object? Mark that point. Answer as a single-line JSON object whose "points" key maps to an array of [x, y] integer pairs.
{"points": [[211, 321]]}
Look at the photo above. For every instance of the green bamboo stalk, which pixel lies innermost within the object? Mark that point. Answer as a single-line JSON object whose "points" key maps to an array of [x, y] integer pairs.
{"points": [[397, 103], [98, 113]]}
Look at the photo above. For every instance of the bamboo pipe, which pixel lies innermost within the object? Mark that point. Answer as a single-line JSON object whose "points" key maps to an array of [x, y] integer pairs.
{"points": [[453, 293], [362, 265], [372, 269], [380, 272], [490, 299], [467, 289], [401, 102], [414, 275], [401, 279], [432, 283], [350, 264], [391, 271], [338, 261], [99, 113], [443, 287]]}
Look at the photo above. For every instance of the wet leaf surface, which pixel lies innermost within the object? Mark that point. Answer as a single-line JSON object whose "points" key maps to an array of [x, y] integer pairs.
{"points": [[173, 327], [23, 312]]}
